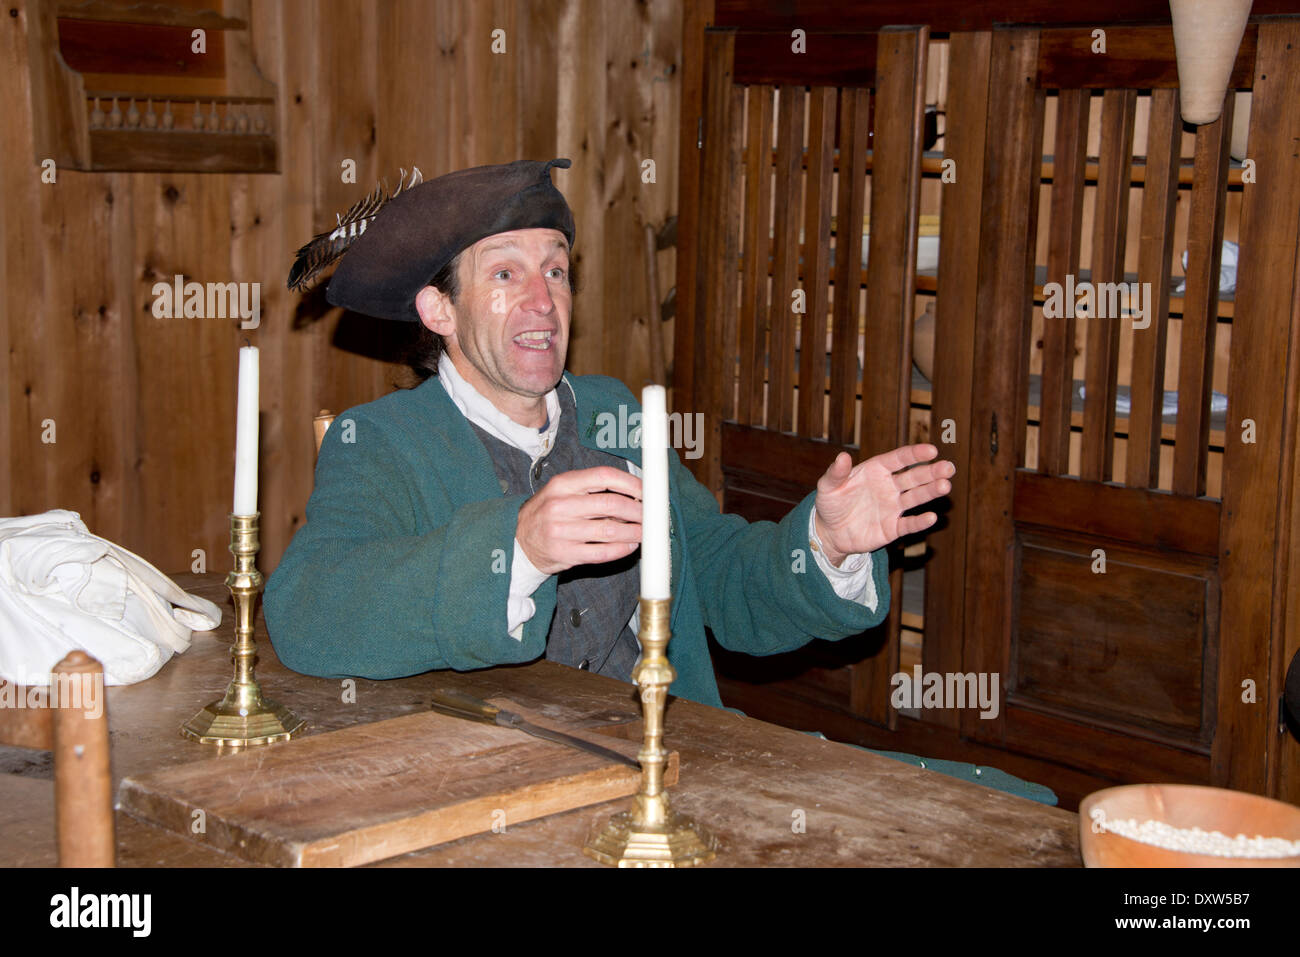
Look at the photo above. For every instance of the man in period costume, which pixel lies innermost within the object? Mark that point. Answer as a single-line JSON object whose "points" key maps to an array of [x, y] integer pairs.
{"points": [[486, 518]]}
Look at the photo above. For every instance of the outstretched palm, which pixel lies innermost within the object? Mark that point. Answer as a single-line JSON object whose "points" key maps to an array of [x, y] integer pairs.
{"points": [[860, 507]]}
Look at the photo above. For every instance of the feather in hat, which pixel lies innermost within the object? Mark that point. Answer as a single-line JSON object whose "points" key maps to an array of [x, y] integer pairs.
{"points": [[324, 250]]}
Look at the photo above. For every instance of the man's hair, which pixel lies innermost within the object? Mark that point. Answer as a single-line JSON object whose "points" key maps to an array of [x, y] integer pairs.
{"points": [[428, 345]]}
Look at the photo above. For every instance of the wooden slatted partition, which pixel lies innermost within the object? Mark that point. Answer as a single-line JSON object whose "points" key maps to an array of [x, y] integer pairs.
{"points": [[791, 358], [1124, 619], [1122, 611]]}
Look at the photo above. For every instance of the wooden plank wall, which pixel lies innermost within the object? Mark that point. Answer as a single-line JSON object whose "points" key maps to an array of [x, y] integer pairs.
{"points": [[143, 408]]}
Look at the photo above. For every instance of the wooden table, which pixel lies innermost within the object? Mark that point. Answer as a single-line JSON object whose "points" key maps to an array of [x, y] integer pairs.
{"points": [[744, 779]]}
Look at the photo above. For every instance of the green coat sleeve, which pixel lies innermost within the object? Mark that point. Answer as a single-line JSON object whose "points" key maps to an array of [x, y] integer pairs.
{"points": [[382, 583], [759, 585]]}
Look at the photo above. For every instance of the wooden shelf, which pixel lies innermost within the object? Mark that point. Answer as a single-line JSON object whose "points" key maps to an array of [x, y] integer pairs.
{"points": [[150, 13], [118, 87]]}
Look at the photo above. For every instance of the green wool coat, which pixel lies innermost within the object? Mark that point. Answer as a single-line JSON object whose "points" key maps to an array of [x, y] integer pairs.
{"points": [[404, 563]]}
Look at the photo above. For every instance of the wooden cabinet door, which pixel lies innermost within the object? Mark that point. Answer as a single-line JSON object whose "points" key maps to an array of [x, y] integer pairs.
{"points": [[1125, 613]]}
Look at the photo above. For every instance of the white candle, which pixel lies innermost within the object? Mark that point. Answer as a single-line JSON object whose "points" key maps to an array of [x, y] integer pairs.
{"points": [[654, 493], [246, 434]]}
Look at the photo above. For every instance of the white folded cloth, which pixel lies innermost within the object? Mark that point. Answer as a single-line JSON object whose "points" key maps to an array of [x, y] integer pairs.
{"points": [[62, 589]]}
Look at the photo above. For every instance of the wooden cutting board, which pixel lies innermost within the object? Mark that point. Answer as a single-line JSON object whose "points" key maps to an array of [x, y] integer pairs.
{"points": [[374, 791]]}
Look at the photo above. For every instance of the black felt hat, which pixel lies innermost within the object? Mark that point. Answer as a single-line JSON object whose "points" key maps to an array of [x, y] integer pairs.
{"points": [[419, 231]]}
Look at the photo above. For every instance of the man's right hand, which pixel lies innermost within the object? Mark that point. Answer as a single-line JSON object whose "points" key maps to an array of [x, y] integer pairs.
{"points": [[584, 517]]}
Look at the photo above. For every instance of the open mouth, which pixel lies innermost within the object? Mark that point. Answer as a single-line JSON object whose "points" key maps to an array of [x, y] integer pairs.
{"points": [[537, 341]]}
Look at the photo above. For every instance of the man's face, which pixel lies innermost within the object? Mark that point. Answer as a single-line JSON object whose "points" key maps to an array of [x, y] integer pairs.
{"points": [[511, 319]]}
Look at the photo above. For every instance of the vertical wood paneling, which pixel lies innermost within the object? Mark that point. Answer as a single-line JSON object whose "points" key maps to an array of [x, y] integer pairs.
{"points": [[272, 215], [75, 222], [187, 434], [1069, 155], [346, 86], [719, 249], [497, 93], [660, 80], [1012, 163], [537, 78], [695, 16], [1284, 761], [1266, 323], [955, 326], [30, 396], [145, 406], [627, 202], [891, 285], [583, 99]]}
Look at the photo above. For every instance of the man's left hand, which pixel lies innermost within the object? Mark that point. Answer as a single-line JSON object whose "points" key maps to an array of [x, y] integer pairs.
{"points": [[859, 508]]}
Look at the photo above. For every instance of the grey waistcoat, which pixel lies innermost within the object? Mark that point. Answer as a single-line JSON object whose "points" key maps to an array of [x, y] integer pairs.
{"points": [[593, 602]]}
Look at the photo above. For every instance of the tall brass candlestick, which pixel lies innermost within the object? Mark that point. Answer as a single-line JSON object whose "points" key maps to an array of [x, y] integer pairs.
{"points": [[243, 717], [652, 835]]}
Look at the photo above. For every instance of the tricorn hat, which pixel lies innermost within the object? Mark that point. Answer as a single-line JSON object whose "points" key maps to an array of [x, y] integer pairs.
{"points": [[395, 246]]}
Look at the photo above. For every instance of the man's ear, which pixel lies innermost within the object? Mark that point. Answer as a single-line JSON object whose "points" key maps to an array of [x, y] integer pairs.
{"points": [[436, 311]]}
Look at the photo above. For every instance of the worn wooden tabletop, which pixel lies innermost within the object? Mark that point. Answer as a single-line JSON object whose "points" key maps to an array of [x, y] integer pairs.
{"points": [[773, 797]]}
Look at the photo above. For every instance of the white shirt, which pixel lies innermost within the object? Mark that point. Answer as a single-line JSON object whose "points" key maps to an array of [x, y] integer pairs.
{"points": [[851, 581]]}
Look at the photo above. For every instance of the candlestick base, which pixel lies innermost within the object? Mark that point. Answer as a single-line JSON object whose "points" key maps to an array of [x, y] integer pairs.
{"points": [[230, 726], [626, 842]]}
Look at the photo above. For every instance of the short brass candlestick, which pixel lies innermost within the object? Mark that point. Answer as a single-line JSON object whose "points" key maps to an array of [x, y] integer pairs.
{"points": [[652, 835], [243, 717]]}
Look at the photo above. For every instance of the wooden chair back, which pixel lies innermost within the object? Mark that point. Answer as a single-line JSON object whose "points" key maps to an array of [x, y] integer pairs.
{"points": [[320, 425], [70, 718]]}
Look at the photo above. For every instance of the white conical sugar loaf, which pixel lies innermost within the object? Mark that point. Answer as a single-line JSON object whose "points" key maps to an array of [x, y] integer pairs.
{"points": [[1207, 34]]}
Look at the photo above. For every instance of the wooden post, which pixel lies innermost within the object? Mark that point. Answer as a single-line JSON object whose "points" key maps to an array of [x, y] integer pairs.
{"points": [[83, 785]]}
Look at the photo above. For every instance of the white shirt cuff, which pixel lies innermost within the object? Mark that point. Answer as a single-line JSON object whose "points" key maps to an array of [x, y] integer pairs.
{"points": [[524, 580], [852, 580]]}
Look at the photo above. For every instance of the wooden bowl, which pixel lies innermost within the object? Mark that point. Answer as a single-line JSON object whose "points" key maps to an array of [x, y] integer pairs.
{"points": [[1183, 806]]}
